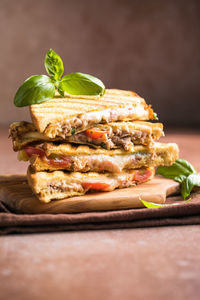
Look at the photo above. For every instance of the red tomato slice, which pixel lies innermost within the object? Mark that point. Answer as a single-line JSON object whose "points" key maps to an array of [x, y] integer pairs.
{"points": [[95, 134], [142, 175], [62, 162], [100, 186], [33, 150]]}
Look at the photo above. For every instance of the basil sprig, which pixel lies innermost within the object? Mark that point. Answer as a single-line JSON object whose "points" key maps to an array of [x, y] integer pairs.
{"points": [[40, 88], [183, 172]]}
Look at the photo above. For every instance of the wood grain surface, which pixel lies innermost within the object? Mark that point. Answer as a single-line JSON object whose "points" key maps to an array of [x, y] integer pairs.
{"points": [[16, 194]]}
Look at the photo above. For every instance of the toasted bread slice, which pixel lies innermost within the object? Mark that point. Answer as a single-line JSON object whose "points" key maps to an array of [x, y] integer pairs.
{"points": [[109, 136], [84, 159], [25, 133], [61, 117], [72, 150], [59, 184]]}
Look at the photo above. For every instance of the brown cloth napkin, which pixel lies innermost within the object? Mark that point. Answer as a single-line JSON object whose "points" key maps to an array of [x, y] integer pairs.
{"points": [[181, 214]]}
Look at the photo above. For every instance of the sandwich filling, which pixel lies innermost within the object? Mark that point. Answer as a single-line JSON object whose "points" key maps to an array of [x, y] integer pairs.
{"points": [[40, 161], [82, 122], [109, 136], [104, 184]]}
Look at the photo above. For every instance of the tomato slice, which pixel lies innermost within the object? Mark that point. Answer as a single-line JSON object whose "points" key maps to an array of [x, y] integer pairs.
{"points": [[30, 150], [142, 175], [99, 186], [95, 134]]}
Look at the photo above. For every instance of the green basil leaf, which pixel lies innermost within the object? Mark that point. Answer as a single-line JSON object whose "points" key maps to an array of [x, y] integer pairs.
{"points": [[151, 204], [35, 89], [53, 65], [155, 116], [178, 171], [103, 145], [188, 184], [156, 205], [81, 84], [73, 130], [180, 178], [188, 200]]}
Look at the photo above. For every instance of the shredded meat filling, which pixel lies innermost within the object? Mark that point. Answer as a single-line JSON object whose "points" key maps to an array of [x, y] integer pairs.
{"points": [[64, 187], [113, 139]]}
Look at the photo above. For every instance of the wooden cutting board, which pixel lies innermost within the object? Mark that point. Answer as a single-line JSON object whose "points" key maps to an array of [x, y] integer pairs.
{"points": [[17, 195]]}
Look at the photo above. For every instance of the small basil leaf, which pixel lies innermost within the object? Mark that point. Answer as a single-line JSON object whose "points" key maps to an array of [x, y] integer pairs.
{"points": [[53, 65], [156, 205], [35, 89], [178, 171], [73, 130], [188, 200], [151, 204], [81, 84], [188, 184], [155, 116], [103, 145]]}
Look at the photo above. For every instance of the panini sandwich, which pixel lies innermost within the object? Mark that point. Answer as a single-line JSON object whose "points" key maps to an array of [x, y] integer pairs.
{"points": [[78, 144]]}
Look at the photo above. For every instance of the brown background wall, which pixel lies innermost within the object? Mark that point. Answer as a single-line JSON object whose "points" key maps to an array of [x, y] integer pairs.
{"points": [[152, 47]]}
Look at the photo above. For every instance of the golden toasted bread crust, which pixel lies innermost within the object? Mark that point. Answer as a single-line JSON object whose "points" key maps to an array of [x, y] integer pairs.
{"points": [[49, 116]]}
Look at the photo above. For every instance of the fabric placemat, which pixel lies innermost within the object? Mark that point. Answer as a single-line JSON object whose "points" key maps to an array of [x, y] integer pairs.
{"points": [[180, 214]]}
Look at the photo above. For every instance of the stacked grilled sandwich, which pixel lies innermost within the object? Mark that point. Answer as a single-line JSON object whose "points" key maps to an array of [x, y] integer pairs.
{"points": [[78, 144]]}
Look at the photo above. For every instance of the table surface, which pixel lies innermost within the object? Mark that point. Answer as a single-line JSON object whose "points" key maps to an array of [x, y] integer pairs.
{"points": [[154, 263]]}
